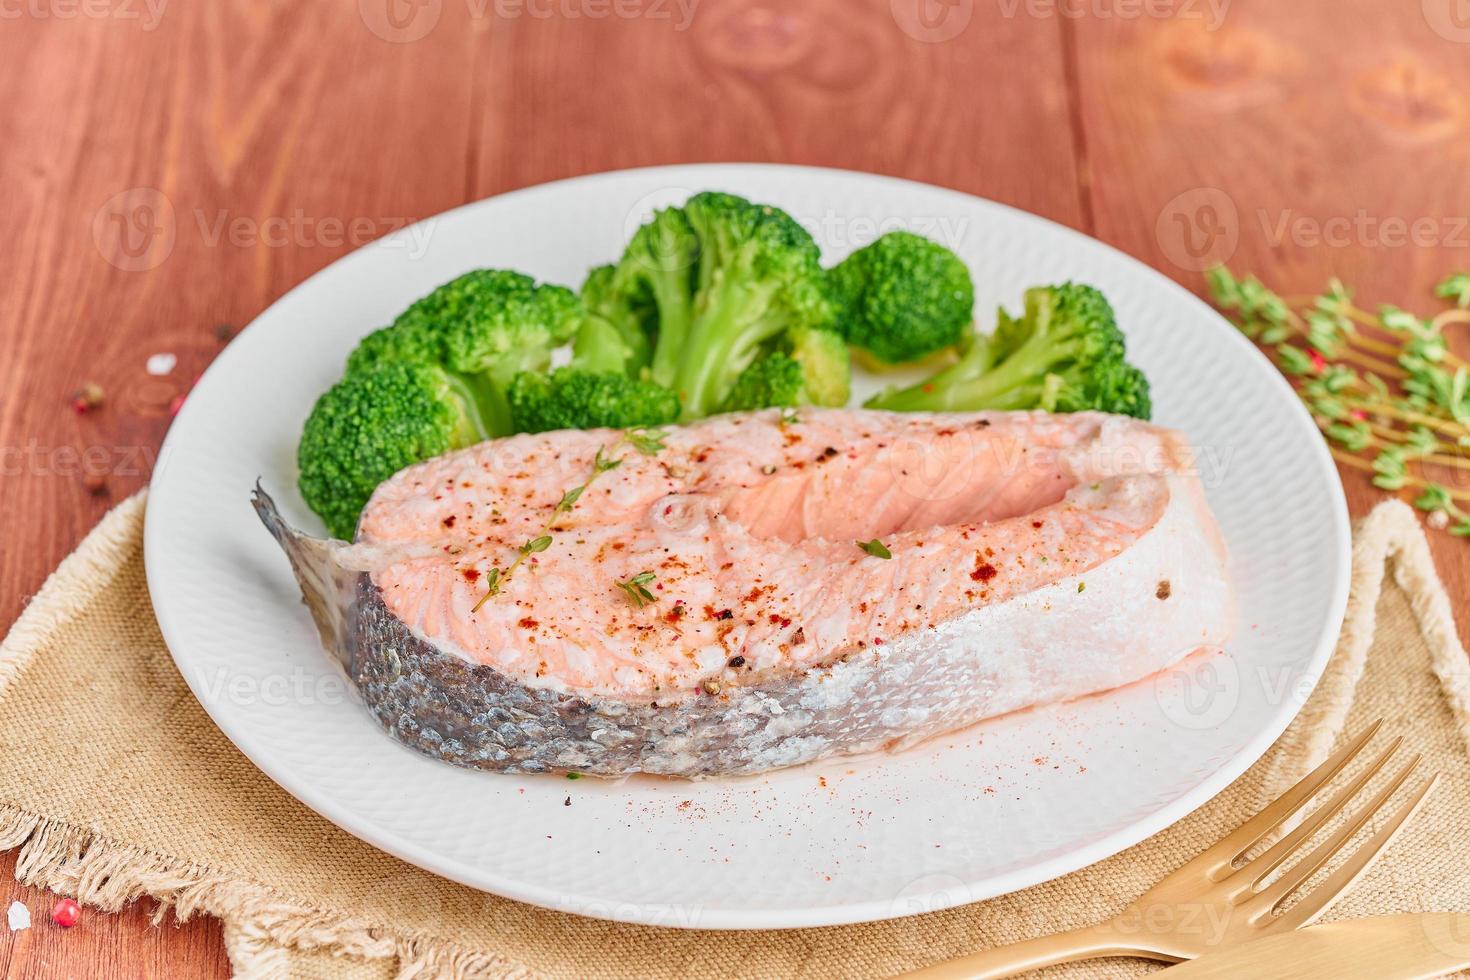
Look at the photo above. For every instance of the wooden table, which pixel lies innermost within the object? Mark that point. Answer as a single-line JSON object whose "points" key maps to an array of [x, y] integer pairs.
{"points": [[170, 168]]}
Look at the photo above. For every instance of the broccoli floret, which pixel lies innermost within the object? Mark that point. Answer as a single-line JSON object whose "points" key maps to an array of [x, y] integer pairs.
{"points": [[811, 367], [773, 380], [595, 390], [902, 297], [1065, 354], [490, 324], [374, 422], [629, 312], [568, 398], [726, 277], [826, 366], [653, 281]]}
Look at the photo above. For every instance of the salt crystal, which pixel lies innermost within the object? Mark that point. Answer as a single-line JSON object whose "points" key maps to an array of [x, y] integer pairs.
{"points": [[19, 916], [161, 364]]}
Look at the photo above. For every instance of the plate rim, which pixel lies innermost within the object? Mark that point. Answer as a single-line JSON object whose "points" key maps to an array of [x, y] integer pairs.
{"points": [[807, 916]]}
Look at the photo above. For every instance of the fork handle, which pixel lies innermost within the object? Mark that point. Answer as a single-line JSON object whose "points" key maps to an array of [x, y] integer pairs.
{"points": [[1090, 943]]}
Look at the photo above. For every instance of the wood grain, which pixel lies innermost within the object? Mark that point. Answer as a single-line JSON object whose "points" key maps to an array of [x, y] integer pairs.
{"points": [[1302, 141], [165, 181]]}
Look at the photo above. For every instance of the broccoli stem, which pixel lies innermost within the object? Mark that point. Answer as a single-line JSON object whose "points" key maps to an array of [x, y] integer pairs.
{"points": [[486, 409], [724, 339], [675, 315], [976, 383]]}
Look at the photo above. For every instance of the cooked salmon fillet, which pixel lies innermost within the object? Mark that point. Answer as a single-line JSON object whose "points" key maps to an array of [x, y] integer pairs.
{"points": [[1034, 558]]}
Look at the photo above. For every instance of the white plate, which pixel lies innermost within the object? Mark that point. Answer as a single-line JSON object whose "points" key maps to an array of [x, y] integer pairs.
{"points": [[1009, 804]]}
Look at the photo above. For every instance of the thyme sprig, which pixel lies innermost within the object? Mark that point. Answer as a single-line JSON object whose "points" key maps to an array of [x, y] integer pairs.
{"points": [[1385, 389], [649, 442], [637, 589]]}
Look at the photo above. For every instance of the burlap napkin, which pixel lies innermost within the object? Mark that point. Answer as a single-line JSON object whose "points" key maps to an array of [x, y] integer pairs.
{"points": [[115, 785]]}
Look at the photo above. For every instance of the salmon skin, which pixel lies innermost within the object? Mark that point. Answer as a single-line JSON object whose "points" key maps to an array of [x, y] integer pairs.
{"points": [[1034, 558]]}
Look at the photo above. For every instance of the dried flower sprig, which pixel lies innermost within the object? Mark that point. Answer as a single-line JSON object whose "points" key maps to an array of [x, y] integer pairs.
{"points": [[649, 442], [1384, 388]]}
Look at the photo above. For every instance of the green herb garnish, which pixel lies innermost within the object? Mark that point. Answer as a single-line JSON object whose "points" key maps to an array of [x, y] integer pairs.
{"points": [[637, 589], [1384, 388], [649, 442], [875, 548]]}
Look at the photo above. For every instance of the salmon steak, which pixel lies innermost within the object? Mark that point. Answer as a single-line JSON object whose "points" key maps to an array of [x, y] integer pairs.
{"points": [[761, 590]]}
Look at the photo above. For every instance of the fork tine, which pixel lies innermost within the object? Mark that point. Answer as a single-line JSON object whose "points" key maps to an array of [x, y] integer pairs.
{"points": [[1290, 881], [1234, 845], [1272, 859], [1272, 898], [1335, 885]]}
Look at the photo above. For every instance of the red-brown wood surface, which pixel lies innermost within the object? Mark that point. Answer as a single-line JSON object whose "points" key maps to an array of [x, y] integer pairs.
{"points": [[171, 167]]}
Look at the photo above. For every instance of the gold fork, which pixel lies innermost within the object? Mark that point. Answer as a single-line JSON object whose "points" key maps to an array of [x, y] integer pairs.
{"points": [[1222, 896]]}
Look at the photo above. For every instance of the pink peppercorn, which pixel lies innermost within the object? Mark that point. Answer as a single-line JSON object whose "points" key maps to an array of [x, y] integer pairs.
{"points": [[66, 913]]}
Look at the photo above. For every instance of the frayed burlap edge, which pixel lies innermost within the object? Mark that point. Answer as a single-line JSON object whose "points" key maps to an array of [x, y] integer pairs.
{"points": [[1389, 538], [259, 925]]}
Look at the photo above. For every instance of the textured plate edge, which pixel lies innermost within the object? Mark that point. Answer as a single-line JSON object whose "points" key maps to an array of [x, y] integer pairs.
{"points": [[838, 914]]}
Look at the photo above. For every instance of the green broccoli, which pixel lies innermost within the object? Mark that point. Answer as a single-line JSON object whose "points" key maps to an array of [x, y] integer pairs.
{"points": [[812, 368], [374, 422], [902, 297], [1066, 354], [488, 324], [628, 311], [774, 380], [826, 366], [596, 390], [568, 398], [726, 277], [654, 281]]}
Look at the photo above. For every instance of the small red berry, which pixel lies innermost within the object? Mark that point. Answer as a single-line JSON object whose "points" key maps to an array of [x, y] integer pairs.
{"points": [[66, 913]]}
